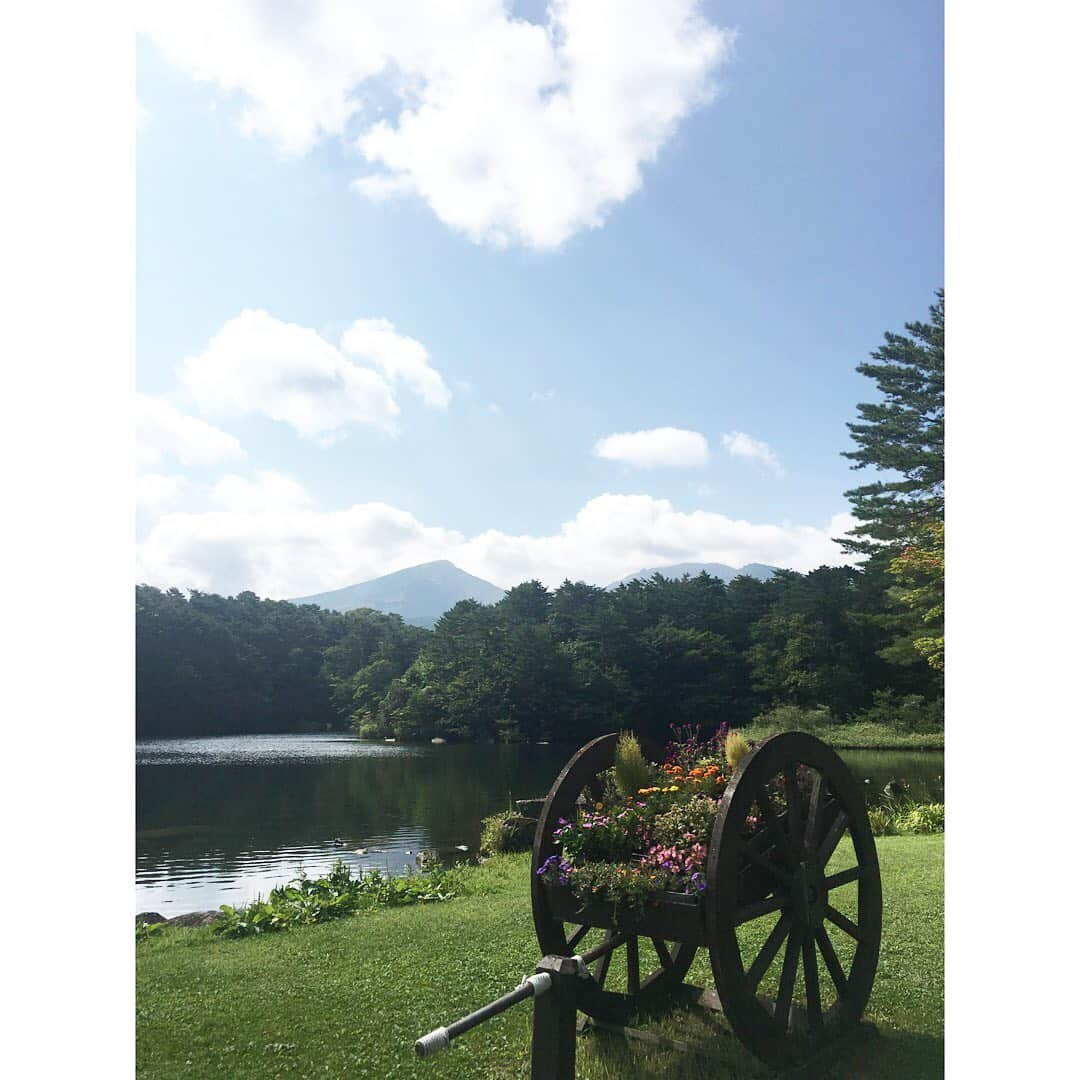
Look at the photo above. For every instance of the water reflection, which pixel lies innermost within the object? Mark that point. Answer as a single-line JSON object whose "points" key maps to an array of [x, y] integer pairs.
{"points": [[222, 820]]}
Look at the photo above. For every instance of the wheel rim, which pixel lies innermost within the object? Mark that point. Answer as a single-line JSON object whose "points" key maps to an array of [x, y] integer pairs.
{"points": [[791, 841], [640, 971]]}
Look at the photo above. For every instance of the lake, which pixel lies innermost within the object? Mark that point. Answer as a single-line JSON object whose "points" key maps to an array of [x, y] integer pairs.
{"points": [[222, 820]]}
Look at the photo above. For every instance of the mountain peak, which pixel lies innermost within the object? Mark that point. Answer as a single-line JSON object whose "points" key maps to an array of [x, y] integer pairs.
{"points": [[725, 573], [419, 594]]}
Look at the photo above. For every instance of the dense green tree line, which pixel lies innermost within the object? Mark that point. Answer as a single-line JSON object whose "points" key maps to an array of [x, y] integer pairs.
{"points": [[213, 664], [580, 660], [569, 663]]}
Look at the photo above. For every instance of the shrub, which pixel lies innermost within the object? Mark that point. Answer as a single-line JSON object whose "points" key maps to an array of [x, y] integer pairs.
{"points": [[368, 729], [632, 771], [924, 818], [882, 821], [506, 831], [902, 817], [794, 718], [735, 748], [904, 712]]}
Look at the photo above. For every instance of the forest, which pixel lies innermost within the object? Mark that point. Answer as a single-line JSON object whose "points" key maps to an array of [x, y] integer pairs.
{"points": [[855, 642]]}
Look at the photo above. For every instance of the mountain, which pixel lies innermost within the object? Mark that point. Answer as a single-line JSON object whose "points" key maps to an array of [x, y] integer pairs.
{"points": [[715, 569], [419, 594]]}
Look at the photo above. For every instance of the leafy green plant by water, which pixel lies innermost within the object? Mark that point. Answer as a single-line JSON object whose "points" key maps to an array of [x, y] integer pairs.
{"points": [[901, 817], [145, 931], [505, 832], [305, 901]]}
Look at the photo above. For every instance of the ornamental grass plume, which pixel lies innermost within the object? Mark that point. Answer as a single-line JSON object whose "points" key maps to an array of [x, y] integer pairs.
{"points": [[632, 771], [735, 748]]}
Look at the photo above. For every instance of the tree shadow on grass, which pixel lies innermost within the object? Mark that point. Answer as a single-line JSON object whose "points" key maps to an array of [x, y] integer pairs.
{"points": [[866, 1053]]}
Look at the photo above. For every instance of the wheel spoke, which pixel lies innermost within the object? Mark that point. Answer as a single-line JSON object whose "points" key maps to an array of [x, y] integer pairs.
{"points": [[662, 951], [832, 838], [782, 1012], [761, 907], [813, 814], [843, 922], [633, 968], [832, 961], [577, 935], [813, 989], [765, 957], [768, 811], [794, 810], [834, 881], [767, 864]]}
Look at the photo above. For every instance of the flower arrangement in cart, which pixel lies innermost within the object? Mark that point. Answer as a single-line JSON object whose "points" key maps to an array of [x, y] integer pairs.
{"points": [[650, 829]]}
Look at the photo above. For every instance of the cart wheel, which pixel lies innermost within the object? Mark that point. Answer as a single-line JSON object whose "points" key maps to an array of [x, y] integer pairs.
{"points": [[653, 968], [779, 883]]}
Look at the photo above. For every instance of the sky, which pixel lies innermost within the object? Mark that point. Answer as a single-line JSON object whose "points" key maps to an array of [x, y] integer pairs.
{"points": [[548, 291]]}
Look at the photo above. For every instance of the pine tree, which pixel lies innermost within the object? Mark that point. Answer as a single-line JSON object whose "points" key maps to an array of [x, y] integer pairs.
{"points": [[904, 435], [901, 519]]}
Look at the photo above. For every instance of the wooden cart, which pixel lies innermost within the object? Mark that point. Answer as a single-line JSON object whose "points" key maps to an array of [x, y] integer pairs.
{"points": [[775, 848]]}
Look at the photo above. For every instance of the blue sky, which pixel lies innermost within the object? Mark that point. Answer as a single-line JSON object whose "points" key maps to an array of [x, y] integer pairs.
{"points": [[719, 271]]}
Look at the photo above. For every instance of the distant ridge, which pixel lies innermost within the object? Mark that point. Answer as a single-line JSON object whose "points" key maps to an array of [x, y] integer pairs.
{"points": [[718, 570], [419, 594]]}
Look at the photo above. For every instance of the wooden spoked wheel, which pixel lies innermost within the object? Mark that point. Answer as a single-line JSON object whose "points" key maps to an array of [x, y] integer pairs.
{"points": [[641, 971], [793, 903]]}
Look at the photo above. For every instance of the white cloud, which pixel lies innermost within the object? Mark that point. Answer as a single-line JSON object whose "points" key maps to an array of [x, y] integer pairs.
{"points": [[285, 547], [156, 492], [542, 395], [510, 131], [739, 444], [256, 363], [286, 550], [268, 491], [398, 357], [658, 446], [162, 431], [143, 116]]}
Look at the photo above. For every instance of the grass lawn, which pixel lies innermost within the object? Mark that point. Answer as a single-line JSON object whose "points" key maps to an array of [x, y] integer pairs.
{"points": [[349, 998], [863, 737]]}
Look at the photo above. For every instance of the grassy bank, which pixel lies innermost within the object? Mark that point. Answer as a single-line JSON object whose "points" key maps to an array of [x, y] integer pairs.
{"points": [[863, 737], [348, 998]]}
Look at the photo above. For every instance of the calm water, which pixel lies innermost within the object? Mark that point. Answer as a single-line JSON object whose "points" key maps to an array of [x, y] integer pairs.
{"points": [[222, 820]]}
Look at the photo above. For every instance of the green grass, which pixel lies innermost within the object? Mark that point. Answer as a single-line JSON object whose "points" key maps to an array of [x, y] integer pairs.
{"points": [[349, 998], [864, 736]]}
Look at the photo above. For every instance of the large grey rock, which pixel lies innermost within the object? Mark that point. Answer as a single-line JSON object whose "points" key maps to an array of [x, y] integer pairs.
{"points": [[197, 918], [149, 918], [529, 807]]}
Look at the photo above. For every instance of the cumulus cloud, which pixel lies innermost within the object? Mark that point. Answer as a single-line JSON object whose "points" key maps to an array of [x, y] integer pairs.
{"points": [[266, 491], [162, 431], [290, 548], [285, 550], [656, 447], [400, 358], [157, 492], [257, 363], [740, 445], [510, 131]]}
